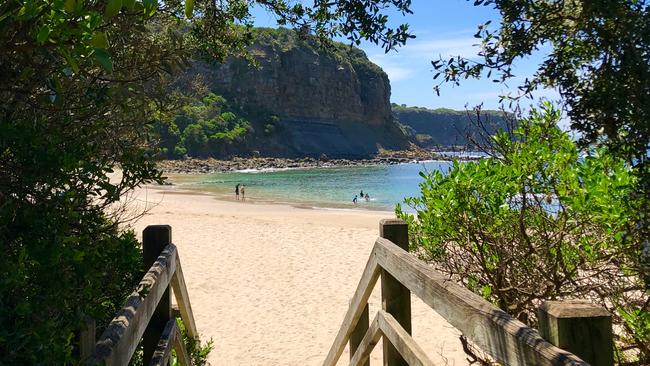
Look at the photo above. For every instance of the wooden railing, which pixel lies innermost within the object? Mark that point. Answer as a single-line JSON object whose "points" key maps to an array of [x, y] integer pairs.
{"points": [[147, 314], [577, 327]]}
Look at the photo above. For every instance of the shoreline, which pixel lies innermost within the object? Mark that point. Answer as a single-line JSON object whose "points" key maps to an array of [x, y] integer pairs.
{"points": [[225, 196], [211, 165], [218, 178]]}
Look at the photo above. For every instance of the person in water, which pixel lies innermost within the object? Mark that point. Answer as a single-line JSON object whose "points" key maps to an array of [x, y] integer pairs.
{"points": [[367, 197], [243, 192], [237, 192], [354, 200], [361, 194]]}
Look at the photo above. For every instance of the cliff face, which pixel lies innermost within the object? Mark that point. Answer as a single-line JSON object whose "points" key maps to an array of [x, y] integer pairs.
{"points": [[328, 101], [445, 127]]}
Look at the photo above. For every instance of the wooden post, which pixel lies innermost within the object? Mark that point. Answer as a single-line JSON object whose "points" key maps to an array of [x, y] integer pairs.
{"points": [[395, 297], [359, 332], [86, 339], [154, 239], [579, 327]]}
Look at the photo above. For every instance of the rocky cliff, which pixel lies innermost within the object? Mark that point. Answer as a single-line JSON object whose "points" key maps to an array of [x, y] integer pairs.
{"points": [[306, 100], [445, 127]]}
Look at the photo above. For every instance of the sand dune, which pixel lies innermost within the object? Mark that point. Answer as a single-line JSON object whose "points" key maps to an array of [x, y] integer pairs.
{"points": [[270, 284]]}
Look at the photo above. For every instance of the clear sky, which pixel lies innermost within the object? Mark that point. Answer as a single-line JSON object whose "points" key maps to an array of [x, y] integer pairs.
{"points": [[441, 27]]}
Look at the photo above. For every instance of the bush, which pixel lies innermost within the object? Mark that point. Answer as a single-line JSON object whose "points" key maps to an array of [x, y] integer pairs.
{"points": [[44, 283], [200, 128], [197, 351], [541, 220], [63, 256]]}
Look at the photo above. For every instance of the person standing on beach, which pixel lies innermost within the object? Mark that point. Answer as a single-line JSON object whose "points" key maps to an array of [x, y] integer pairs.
{"points": [[237, 192], [243, 192], [354, 200]]}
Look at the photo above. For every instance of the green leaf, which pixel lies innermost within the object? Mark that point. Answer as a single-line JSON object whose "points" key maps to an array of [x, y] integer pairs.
{"points": [[150, 7], [70, 6], [78, 256], [99, 40], [486, 291], [104, 59], [189, 8], [113, 8], [129, 4], [71, 60], [43, 34]]}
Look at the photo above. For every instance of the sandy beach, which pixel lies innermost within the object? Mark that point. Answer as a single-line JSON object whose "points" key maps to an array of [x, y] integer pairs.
{"points": [[270, 283]]}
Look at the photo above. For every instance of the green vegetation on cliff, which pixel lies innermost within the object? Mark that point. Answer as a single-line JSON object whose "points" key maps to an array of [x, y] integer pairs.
{"points": [[284, 40], [201, 128], [446, 127], [298, 97]]}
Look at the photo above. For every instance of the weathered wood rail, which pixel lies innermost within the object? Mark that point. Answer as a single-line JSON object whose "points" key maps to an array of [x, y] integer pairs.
{"points": [[585, 329], [147, 314]]}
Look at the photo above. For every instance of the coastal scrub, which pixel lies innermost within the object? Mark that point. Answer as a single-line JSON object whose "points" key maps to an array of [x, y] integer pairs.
{"points": [[539, 220]]}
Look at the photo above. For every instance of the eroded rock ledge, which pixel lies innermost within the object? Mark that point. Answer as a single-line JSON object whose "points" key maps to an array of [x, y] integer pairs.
{"points": [[193, 166]]}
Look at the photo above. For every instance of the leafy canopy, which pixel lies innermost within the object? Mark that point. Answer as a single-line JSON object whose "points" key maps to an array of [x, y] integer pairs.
{"points": [[598, 59], [541, 220], [202, 127], [79, 82]]}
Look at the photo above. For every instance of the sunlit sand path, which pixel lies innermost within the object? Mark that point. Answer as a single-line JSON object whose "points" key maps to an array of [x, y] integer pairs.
{"points": [[270, 284]]}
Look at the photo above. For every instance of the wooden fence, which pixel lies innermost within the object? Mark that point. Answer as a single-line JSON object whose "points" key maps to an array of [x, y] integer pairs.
{"points": [[580, 329], [572, 333], [147, 315]]}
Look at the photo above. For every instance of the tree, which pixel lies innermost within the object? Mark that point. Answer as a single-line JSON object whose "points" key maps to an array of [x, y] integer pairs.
{"points": [[599, 61], [79, 81], [539, 220], [201, 127]]}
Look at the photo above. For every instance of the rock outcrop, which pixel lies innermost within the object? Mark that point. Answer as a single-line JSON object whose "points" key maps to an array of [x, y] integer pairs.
{"points": [[330, 101], [446, 127]]}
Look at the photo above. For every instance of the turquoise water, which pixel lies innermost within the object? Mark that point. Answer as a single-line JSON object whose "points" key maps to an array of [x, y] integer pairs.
{"points": [[320, 187]]}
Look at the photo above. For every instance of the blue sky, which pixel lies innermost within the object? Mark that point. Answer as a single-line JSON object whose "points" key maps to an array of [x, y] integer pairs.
{"points": [[442, 28]]}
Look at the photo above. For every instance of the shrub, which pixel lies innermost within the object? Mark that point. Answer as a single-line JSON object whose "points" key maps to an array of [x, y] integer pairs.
{"points": [[197, 351], [540, 220], [44, 282], [200, 128]]}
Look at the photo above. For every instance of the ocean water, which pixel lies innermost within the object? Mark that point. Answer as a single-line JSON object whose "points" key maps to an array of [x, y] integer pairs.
{"points": [[332, 187]]}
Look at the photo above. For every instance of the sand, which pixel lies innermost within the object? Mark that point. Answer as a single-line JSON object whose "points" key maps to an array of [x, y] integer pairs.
{"points": [[270, 283]]}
